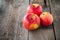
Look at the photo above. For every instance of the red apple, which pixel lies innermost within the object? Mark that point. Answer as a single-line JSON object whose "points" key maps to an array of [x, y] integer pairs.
{"points": [[31, 21], [35, 8], [46, 18]]}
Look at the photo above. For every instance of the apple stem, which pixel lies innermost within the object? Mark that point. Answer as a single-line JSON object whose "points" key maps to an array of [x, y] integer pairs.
{"points": [[43, 14], [31, 18]]}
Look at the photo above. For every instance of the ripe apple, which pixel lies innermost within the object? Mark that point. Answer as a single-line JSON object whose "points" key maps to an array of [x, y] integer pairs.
{"points": [[46, 18], [31, 21], [35, 8]]}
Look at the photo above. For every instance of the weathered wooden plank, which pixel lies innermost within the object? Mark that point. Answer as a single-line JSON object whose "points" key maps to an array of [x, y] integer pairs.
{"points": [[55, 4], [11, 14], [23, 31], [42, 33], [3, 27]]}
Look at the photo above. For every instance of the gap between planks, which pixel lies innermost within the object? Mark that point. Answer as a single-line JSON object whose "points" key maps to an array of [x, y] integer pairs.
{"points": [[53, 21]]}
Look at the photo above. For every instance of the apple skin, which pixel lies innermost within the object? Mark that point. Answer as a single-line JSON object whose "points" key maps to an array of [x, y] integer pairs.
{"points": [[35, 8], [31, 21], [46, 18]]}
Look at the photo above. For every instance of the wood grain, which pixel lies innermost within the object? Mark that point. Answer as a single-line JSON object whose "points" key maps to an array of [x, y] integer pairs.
{"points": [[42, 33], [56, 13], [11, 15], [23, 31]]}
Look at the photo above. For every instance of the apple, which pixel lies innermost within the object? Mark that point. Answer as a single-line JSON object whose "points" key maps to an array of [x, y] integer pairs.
{"points": [[31, 21], [46, 18], [35, 8]]}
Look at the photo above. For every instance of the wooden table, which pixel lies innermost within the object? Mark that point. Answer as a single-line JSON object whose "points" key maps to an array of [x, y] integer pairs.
{"points": [[11, 15], [51, 33]]}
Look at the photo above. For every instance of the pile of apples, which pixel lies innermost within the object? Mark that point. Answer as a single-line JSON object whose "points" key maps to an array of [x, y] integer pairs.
{"points": [[35, 17]]}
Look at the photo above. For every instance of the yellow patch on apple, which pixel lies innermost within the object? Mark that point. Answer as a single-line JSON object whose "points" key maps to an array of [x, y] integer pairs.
{"points": [[34, 26]]}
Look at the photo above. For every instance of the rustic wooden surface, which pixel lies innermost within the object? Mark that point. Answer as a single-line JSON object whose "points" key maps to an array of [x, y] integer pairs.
{"points": [[23, 31], [11, 15], [56, 13]]}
